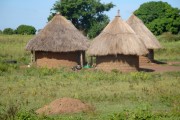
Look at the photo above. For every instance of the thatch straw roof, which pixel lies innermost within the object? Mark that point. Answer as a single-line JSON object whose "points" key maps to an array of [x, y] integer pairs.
{"points": [[117, 38], [59, 35], [143, 32]]}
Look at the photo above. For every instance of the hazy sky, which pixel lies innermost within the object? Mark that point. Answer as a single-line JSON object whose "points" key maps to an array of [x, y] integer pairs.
{"points": [[35, 12]]}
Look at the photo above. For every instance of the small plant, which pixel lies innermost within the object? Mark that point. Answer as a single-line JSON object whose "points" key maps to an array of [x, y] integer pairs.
{"points": [[140, 76], [3, 67], [168, 37], [138, 114], [10, 113], [25, 115]]}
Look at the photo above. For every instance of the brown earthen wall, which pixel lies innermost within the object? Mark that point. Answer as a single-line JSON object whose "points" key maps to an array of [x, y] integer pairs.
{"points": [[55, 60], [124, 63], [144, 60]]}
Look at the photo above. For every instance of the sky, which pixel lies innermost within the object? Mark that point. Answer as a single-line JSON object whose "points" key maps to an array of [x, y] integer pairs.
{"points": [[35, 12]]}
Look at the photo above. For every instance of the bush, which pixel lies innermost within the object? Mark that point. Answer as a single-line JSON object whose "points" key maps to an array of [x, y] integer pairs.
{"points": [[3, 68], [8, 31], [138, 114], [25, 115], [140, 76], [26, 30], [144, 113], [168, 37], [32, 71]]}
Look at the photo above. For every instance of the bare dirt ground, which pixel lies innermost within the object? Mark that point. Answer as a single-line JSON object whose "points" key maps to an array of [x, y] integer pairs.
{"points": [[65, 106], [161, 67]]}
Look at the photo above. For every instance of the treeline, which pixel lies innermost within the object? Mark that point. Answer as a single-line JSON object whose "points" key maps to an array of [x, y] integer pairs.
{"points": [[159, 17], [22, 30], [89, 17]]}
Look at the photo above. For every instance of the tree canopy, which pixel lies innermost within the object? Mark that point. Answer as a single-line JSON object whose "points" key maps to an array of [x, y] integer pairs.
{"points": [[8, 31], [26, 30], [87, 15], [159, 17]]}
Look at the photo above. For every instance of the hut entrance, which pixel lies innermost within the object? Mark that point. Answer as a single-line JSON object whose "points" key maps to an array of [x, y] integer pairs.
{"points": [[151, 54], [81, 58]]}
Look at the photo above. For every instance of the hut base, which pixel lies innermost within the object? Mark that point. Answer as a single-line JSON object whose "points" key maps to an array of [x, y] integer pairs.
{"points": [[123, 63], [144, 60], [55, 60]]}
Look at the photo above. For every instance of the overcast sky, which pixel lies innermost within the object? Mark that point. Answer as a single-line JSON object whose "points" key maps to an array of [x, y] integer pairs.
{"points": [[35, 12]]}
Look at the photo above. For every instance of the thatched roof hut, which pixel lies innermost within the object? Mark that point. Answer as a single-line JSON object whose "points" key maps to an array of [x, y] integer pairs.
{"points": [[144, 34], [117, 47], [58, 44]]}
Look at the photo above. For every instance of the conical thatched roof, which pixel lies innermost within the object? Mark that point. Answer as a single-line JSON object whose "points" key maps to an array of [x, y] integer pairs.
{"points": [[59, 35], [143, 32], [117, 38]]}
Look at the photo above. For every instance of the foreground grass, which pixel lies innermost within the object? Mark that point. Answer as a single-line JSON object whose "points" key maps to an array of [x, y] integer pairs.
{"points": [[111, 93]]}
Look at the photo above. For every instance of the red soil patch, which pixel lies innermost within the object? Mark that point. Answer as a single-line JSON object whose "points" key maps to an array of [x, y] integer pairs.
{"points": [[153, 67], [63, 106]]}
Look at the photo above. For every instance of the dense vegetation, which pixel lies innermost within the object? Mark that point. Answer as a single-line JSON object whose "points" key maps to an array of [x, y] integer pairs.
{"points": [[115, 95], [22, 30], [86, 15], [25, 30], [8, 31], [159, 17]]}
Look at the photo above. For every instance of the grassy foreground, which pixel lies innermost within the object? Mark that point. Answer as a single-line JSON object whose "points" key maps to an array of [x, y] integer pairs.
{"points": [[115, 95]]}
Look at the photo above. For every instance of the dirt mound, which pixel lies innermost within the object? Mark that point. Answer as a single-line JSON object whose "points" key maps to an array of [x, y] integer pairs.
{"points": [[63, 106]]}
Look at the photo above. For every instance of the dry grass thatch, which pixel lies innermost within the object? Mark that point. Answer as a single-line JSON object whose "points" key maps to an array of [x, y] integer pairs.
{"points": [[143, 32], [59, 35], [117, 38]]}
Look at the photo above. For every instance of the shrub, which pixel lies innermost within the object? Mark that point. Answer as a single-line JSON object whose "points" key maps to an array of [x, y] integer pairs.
{"points": [[3, 67], [9, 113], [24, 115], [33, 71], [140, 76], [168, 37], [139, 114], [26, 30], [8, 31]]}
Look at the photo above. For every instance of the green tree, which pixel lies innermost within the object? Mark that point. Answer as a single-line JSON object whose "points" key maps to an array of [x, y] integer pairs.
{"points": [[8, 31], [87, 15], [1, 32], [26, 30], [159, 17]]}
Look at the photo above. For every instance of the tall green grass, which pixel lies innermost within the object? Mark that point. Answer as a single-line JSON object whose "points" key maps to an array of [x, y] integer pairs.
{"points": [[111, 93], [170, 48], [12, 47]]}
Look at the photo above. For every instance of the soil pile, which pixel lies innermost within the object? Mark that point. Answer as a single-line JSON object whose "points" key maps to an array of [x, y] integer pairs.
{"points": [[63, 106]]}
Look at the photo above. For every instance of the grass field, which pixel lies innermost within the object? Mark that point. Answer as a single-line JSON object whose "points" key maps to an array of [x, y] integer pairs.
{"points": [[115, 95]]}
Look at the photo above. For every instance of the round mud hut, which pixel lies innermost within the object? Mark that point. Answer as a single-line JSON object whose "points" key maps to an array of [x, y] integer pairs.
{"points": [[59, 44], [117, 47], [146, 36]]}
